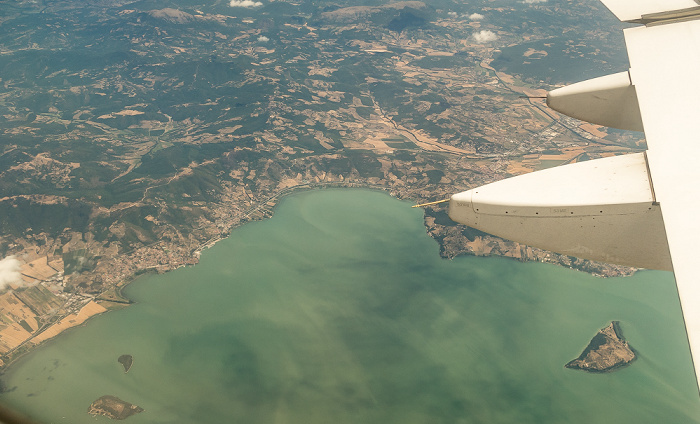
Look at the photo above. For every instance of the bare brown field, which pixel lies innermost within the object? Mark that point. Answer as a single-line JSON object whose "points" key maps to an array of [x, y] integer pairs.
{"points": [[72, 320]]}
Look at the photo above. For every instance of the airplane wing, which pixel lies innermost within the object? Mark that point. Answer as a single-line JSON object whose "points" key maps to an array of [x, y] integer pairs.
{"points": [[642, 209], [664, 59]]}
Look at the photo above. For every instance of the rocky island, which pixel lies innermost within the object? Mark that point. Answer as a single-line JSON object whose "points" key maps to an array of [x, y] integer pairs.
{"points": [[113, 407], [127, 361], [607, 351]]}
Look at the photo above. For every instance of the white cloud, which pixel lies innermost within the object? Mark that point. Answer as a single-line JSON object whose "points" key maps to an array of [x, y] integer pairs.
{"points": [[263, 39], [476, 17], [453, 14], [534, 1], [485, 36], [245, 3], [9, 272]]}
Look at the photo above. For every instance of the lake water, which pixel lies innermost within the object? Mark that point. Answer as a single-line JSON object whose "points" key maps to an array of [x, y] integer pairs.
{"points": [[339, 309]]}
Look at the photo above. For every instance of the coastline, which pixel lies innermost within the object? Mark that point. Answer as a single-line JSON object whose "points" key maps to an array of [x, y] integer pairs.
{"points": [[70, 321], [238, 278], [267, 206], [279, 196]]}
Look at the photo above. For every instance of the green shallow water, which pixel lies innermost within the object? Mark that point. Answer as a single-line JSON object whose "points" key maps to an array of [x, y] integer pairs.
{"points": [[339, 309]]}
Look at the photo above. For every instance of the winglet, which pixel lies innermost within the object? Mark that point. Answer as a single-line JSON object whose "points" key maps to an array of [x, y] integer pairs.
{"points": [[643, 11]]}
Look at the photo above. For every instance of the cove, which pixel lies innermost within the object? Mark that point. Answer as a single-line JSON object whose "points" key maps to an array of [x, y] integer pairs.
{"points": [[339, 309]]}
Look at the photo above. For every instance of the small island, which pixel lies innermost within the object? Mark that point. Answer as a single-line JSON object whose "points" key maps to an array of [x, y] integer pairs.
{"points": [[113, 407], [127, 361], [607, 351]]}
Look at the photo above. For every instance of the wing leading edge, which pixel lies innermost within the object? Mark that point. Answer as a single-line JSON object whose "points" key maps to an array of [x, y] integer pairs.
{"points": [[644, 210]]}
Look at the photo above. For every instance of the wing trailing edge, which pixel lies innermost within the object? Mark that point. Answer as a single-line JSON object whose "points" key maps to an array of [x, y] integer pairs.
{"points": [[602, 210]]}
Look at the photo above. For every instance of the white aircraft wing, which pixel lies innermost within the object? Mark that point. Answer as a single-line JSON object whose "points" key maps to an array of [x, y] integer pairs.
{"points": [[664, 66], [642, 209], [644, 10]]}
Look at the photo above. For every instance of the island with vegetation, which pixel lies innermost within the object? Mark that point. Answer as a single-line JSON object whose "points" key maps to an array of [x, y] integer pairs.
{"points": [[113, 407], [127, 361], [608, 351]]}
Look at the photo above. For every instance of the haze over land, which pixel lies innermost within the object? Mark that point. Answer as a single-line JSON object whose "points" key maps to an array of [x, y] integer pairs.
{"points": [[134, 134]]}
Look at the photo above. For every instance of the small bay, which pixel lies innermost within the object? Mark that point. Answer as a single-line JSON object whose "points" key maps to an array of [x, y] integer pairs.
{"points": [[339, 309]]}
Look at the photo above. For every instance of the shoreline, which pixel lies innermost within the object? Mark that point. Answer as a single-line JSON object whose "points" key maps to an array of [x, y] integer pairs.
{"points": [[227, 312], [119, 287], [233, 223], [281, 194]]}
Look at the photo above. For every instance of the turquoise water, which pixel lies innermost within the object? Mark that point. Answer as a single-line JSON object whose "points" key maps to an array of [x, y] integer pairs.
{"points": [[339, 309]]}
